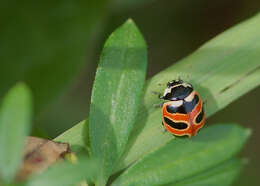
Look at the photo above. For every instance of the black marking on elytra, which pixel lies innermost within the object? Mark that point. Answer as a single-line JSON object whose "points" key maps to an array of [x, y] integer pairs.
{"points": [[172, 109], [200, 116], [175, 125], [189, 106], [185, 108]]}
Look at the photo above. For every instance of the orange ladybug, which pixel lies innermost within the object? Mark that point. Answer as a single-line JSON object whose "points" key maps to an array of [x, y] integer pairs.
{"points": [[183, 112]]}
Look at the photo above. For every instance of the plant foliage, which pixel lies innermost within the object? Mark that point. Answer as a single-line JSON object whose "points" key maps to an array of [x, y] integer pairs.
{"points": [[123, 131], [222, 70]]}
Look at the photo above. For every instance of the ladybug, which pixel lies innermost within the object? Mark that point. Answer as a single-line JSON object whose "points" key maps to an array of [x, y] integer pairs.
{"points": [[182, 112]]}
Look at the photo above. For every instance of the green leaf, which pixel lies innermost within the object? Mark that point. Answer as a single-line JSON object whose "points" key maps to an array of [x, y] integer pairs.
{"points": [[116, 95], [75, 136], [222, 70], [15, 121], [65, 174], [184, 157], [224, 174]]}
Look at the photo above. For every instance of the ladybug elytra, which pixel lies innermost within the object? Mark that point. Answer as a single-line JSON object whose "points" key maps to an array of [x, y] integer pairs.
{"points": [[183, 112]]}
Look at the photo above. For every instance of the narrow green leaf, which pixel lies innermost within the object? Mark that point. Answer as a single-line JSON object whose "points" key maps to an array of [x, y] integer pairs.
{"points": [[15, 121], [65, 174], [222, 70], [224, 174], [116, 95], [182, 158]]}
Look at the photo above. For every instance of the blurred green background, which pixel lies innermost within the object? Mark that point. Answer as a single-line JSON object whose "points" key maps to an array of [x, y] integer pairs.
{"points": [[54, 46]]}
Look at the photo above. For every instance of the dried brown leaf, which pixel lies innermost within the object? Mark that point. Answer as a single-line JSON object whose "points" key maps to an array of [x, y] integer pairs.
{"points": [[39, 154]]}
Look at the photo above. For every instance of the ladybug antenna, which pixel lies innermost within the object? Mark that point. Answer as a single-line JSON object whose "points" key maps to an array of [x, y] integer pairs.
{"points": [[179, 79], [161, 97]]}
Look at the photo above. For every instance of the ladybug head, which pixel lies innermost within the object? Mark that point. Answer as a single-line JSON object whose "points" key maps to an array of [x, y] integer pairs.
{"points": [[177, 90]]}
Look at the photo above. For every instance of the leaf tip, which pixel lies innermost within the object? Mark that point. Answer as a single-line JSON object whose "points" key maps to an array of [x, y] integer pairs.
{"points": [[130, 21], [21, 86]]}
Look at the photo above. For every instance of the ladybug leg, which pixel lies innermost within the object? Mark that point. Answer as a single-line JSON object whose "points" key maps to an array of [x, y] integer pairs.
{"points": [[156, 93], [158, 105], [159, 94], [164, 129]]}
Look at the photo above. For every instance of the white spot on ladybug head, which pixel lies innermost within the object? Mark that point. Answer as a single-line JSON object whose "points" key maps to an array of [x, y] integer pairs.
{"points": [[167, 90]]}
